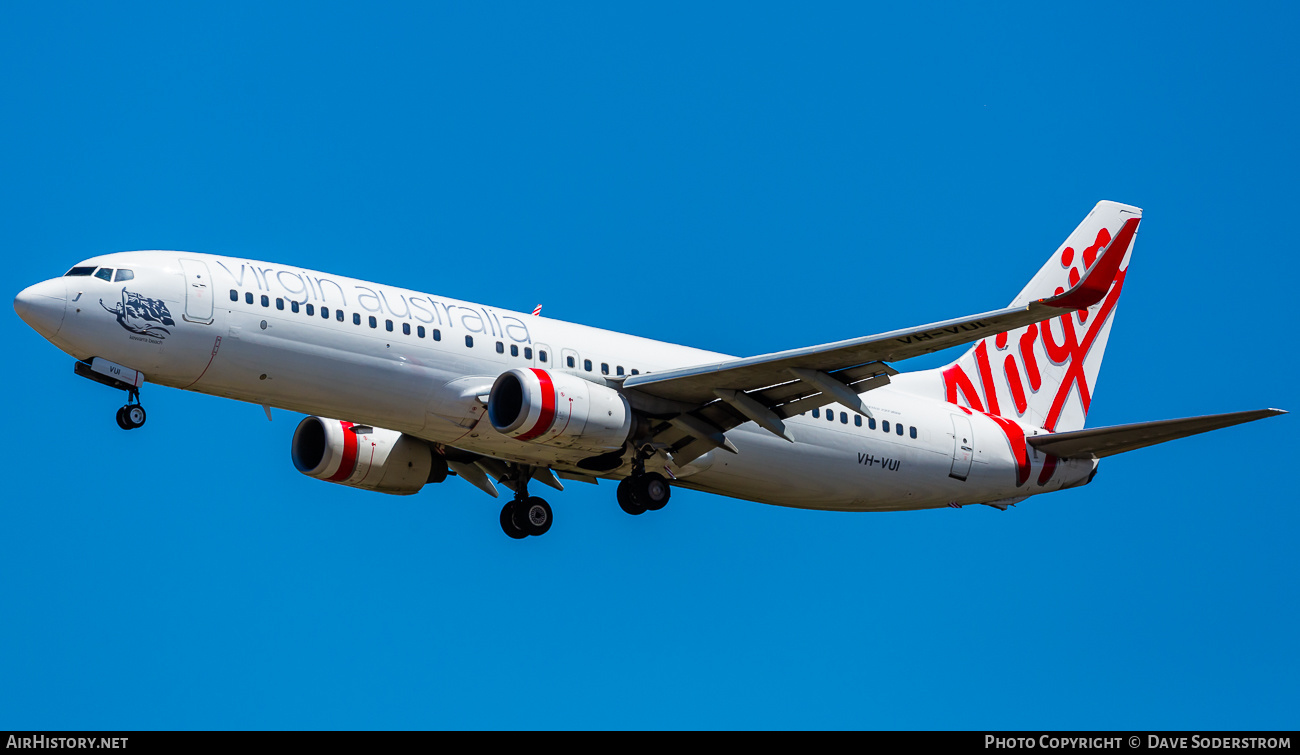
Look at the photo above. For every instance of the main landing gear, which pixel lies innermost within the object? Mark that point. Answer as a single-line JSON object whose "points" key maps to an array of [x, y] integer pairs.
{"points": [[525, 515], [132, 415], [528, 515], [643, 491]]}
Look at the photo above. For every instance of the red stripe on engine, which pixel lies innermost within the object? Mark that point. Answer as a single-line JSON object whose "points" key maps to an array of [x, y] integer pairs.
{"points": [[349, 463], [547, 416]]}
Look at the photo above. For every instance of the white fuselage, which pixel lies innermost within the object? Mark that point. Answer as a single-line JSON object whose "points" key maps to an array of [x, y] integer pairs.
{"points": [[417, 363]]}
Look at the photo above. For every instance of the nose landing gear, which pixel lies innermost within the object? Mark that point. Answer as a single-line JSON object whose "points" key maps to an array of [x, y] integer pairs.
{"points": [[111, 374], [132, 415]]}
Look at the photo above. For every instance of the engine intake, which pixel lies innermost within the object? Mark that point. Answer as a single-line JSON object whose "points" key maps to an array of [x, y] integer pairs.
{"points": [[358, 456], [559, 409]]}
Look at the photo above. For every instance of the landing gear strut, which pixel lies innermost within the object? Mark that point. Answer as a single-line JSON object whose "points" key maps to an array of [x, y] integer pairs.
{"points": [[525, 515], [643, 491], [132, 415]]}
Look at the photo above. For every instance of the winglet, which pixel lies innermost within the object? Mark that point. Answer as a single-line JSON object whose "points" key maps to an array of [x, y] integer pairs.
{"points": [[1097, 281]]}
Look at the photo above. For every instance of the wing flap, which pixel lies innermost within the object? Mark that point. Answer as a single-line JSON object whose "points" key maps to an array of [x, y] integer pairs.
{"points": [[1100, 442], [781, 401]]}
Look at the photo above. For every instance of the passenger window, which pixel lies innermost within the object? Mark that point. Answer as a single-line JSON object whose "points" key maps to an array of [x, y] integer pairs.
{"points": [[514, 350], [124, 275], [356, 318], [844, 418], [469, 341], [78, 271], [279, 303], [871, 423], [884, 423], [570, 362], [817, 413], [912, 432], [586, 365], [541, 355], [604, 368], [106, 273], [830, 415], [266, 300], [857, 420], [437, 334], [248, 298], [338, 315], [373, 322], [406, 328], [234, 295], [311, 308], [293, 305], [528, 352], [501, 348], [419, 331], [898, 428], [636, 372], [618, 370], [325, 313], [388, 325]]}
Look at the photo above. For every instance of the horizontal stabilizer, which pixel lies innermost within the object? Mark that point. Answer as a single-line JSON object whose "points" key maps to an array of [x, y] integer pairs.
{"points": [[1100, 442]]}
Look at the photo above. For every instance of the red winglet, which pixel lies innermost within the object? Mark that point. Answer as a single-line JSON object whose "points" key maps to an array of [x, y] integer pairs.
{"points": [[1098, 280]]}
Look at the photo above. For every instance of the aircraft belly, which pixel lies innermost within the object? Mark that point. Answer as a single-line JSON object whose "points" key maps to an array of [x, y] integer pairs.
{"points": [[829, 469]]}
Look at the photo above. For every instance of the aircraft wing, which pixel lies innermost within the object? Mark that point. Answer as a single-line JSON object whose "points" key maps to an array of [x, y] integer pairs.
{"points": [[1100, 442], [697, 384], [770, 388]]}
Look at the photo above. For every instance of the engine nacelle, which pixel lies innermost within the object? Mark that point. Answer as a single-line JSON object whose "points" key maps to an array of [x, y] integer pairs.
{"points": [[359, 456], [559, 409]]}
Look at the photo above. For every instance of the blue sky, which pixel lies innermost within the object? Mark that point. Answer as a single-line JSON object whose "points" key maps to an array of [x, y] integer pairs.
{"points": [[737, 177]]}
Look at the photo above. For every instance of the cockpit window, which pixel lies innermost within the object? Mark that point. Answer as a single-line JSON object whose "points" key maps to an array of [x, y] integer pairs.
{"points": [[80, 271], [123, 275], [106, 273]]}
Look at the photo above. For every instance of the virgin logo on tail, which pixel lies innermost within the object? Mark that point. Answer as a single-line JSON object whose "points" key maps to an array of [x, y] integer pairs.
{"points": [[1020, 374], [1067, 352]]}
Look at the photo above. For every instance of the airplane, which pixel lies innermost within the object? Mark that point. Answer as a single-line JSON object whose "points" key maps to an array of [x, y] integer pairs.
{"points": [[428, 387]]}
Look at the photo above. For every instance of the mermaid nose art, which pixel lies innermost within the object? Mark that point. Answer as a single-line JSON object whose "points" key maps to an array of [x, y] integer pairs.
{"points": [[42, 306]]}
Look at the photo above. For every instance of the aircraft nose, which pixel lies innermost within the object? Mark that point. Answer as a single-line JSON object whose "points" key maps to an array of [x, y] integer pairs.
{"points": [[42, 306]]}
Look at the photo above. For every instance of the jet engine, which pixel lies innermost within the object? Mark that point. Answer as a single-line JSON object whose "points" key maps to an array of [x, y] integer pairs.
{"points": [[559, 409], [360, 456]]}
